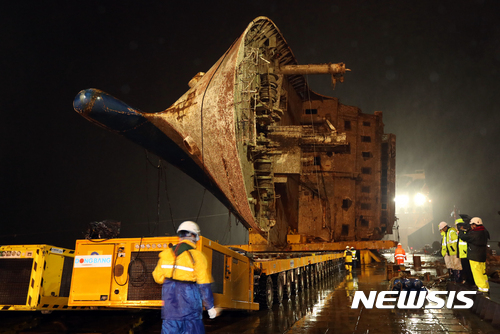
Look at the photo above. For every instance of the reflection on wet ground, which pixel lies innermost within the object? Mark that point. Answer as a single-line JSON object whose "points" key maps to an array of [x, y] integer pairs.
{"points": [[278, 320], [322, 308], [326, 308], [427, 261]]}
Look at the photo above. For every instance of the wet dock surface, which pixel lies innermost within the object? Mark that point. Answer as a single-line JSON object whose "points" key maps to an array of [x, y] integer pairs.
{"points": [[323, 308], [326, 308]]}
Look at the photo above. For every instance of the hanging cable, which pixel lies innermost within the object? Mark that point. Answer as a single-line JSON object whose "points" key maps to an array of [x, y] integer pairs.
{"points": [[201, 205], [165, 174], [147, 186], [227, 231], [158, 198]]}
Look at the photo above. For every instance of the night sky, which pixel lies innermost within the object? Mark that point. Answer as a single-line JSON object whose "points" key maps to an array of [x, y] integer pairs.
{"points": [[432, 68]]}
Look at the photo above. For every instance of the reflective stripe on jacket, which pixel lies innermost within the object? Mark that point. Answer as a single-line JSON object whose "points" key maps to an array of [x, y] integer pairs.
{"points": [[452, 240], [444, 249], [462, 244], [400, 253], [462, 249], [189, 266], [449, 241], [178, 270]]}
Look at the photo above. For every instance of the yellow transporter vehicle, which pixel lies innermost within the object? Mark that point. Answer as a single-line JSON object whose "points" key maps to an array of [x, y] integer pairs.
{"points": [[118, 273], [35, 277]]}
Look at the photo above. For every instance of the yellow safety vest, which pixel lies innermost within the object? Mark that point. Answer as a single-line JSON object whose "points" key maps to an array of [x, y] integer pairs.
{"points": [[449, 243], [443, 244], [462, 245], [452, 241]]}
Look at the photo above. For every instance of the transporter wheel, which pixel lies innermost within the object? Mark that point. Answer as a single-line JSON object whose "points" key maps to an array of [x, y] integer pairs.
{"points": [[301, 280], [279, 284], [296, 281], [288, 285], [313, 274], [307, 277], [266, 292]]}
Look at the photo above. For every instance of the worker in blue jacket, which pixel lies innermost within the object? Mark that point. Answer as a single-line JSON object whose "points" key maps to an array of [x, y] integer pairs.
{"points": [[182, 269]]}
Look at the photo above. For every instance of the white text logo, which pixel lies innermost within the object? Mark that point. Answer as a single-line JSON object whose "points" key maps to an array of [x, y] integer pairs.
{"points": [[415, 300]]}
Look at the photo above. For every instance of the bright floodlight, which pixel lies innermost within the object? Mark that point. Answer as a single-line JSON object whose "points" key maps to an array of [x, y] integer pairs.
{"points": [[402, 200], [420, 199]]}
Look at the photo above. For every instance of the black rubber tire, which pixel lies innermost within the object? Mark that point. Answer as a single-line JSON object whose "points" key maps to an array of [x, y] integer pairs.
{"points": [[279, 286], [313, 275], [266, 292], [288, 285], [296, 282], [302, 281]]}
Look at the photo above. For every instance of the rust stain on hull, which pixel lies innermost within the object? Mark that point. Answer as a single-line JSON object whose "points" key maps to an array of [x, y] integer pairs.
{"points": [[284, 159]]}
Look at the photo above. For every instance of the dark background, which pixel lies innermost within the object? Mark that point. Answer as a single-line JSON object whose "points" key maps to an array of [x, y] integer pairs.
{"points": [[432, 67]]}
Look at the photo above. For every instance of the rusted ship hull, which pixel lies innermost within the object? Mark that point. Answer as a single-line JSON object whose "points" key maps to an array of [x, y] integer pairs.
{"points": [[252, 132]]}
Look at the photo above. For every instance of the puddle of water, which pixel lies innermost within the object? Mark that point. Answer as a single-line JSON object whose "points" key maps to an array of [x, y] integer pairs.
{"points": [[325, 308]]}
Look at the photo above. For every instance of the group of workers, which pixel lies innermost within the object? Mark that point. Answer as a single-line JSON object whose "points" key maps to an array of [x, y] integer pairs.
{"points": [[186, 284], [464, 249], [350, 258]]}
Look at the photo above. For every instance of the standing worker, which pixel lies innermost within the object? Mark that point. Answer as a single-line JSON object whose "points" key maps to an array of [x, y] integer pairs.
{"points": [[477, 245], [449, 248], [182, 269], [354, 257], [462, 253], [348, 258], [400, 255]]}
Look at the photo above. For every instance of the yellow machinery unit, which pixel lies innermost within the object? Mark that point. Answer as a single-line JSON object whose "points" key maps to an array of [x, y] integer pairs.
{"points": [[118, 273], [35, 277]]}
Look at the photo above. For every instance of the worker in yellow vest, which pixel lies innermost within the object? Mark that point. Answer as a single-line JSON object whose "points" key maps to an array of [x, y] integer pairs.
{"points": [[449, 250], [183, 272], [354, 257], [466, 277], [348, 258]]}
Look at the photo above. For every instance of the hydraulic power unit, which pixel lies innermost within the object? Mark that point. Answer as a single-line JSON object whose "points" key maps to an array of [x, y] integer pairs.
{"points": [[35, 277], [118, 273]]}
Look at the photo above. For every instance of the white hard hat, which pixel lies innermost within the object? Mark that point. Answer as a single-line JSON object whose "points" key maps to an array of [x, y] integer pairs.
{"points": [[190, 227], [476, 221], [442, 225], [346, 247], [399, 244]]}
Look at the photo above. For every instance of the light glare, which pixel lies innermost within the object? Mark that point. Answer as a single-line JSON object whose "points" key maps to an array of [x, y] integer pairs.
{"points": [[420, 199], [402, 200]]}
